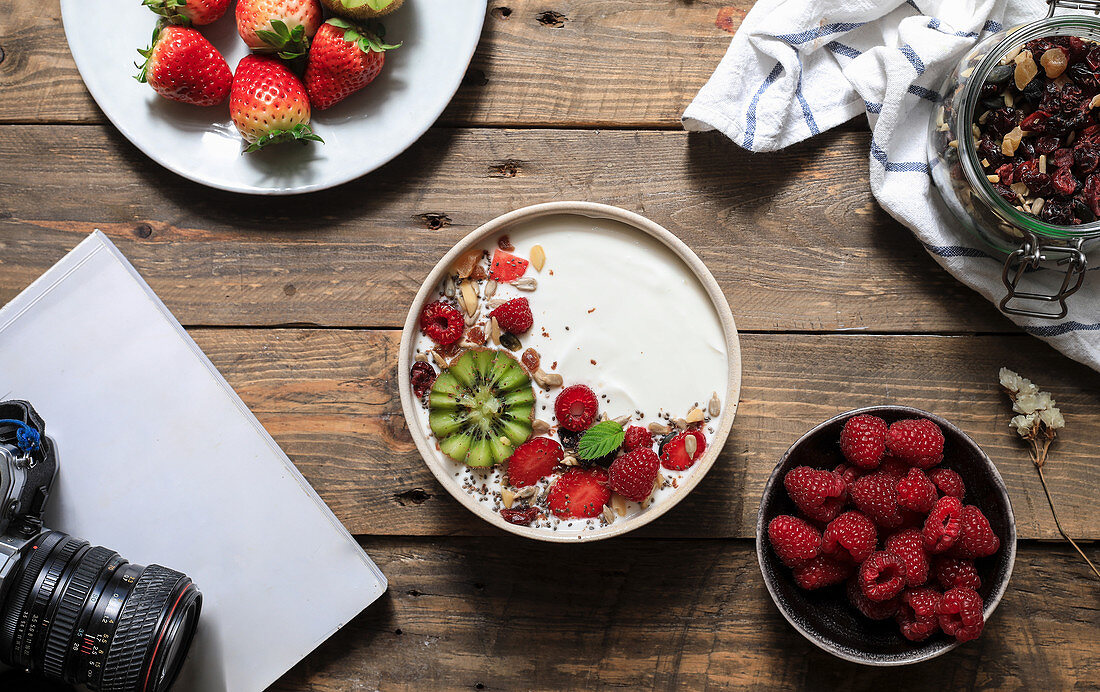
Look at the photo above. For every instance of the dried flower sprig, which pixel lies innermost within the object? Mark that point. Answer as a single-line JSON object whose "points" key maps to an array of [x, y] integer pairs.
{"points": [[1037, 424]]}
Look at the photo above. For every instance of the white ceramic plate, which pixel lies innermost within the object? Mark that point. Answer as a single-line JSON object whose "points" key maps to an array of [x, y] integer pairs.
{"points": [[361, 133], [444, 468]]}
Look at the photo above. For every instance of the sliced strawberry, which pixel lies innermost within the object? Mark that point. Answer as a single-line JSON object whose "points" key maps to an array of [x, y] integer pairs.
{"points": [[534, 460], [506, 267], [674, 455], [579, 494]]}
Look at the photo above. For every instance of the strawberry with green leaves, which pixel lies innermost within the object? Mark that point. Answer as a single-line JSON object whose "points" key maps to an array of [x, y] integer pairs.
{"points": [[268, 103], [281, 26], [189, 12], [343, 58], [182, 65]]}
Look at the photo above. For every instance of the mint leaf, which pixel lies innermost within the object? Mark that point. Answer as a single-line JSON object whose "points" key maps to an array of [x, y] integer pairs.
{"points": [[600, 440]]}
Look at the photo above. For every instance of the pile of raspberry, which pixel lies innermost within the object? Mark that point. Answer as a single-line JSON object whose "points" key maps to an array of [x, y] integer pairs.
{"points": [[890, 523]]}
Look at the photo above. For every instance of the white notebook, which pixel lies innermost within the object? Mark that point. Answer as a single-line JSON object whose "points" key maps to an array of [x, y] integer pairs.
{"points": [[161, 461]]}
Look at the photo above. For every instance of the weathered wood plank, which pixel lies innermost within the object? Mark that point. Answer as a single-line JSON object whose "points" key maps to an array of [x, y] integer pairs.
{"points": [[505, 614], [794, 238], [612, 63], [329, 397]]}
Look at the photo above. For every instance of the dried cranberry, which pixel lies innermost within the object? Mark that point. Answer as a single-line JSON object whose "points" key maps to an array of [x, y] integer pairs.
{"points": [[1051, 101], [1001, 121], [1033, 92], [1037, 183], [1093, 58], [989, 90], [1072, 97], [1090, 192], [1082, 75], [422, 377], [1081, 211], [1035, 122], [1007, 173], [1057, 212], [990, 150], [1006, 193], [1047, 145], [531, 359], [1062, 158], [1086, 158], [519, 516], [504, 243], [1026, 150], [1076, 48], [1063, 181]]}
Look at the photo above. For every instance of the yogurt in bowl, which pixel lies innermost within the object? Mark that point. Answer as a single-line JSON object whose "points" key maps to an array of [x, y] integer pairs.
{"points": [[580, 325]]}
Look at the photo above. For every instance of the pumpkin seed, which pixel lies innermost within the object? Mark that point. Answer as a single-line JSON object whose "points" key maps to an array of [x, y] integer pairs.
{"points": [[715, 405], [526, 283], [527, 492], [510, 341], [659, 429], [540, 427], [691, 445], [490, 288], [548, 380]]}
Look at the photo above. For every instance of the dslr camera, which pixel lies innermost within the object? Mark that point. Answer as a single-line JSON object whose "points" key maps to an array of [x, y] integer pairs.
{"points": [[70, 611]]}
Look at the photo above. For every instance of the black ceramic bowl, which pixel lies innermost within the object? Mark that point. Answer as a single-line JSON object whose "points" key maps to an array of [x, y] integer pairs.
{"points": [[825, 616]]}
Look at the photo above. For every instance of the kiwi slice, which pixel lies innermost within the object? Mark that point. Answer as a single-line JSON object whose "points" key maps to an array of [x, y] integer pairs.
{"points": [[481, 407], [361, 9]]}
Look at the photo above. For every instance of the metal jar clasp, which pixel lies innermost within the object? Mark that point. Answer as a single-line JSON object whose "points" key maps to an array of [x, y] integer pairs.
{"points": [[1029, 257], [1093, 5]]}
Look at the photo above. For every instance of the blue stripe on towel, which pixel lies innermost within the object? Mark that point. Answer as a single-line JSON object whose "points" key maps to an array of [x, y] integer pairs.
{"points": [[1063, 328], [807, 114], [750, 118], [927, 94], [912, 57], [812, 34], [896, 166], [949, 251], [992, 27], [841, 49], [935, 23], [872, 107]]}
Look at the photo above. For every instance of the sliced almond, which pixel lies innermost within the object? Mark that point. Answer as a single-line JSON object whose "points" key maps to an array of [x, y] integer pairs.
{"points": [[469, 297], [490, 288], [618, 503], [538, 257], [507, 497], [494, 331], [548, 380], [526, 492], [691, 445], [659, 429], [540, 427], [695, 415], [439, 360], [715, 405], [525, 283], [421, 358]]}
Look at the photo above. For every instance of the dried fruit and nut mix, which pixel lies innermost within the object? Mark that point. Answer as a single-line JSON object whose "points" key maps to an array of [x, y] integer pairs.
{"points": [[487, 399], [1037, 130], [892, 524]]}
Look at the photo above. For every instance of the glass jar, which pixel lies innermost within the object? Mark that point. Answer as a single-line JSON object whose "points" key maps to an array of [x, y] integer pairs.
{"points": [[1028, 242]]}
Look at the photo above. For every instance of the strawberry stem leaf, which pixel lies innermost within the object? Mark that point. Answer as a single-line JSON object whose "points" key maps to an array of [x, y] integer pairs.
{"points": [[288, 43], [172, 10], [300, 132], [367, 37], [143, 67]]}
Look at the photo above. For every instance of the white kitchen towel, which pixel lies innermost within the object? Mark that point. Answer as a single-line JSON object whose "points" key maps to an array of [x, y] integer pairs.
{"points": [[798, 67]]}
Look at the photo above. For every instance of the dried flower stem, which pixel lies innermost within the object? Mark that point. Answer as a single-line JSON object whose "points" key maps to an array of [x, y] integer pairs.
{"points": [[1039, 457]]}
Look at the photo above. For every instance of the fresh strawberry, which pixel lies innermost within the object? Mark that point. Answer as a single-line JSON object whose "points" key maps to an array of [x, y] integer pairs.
{"points": [[637, 437], [514, 316], [863, 440], [794, 540], [269, 104], [917, 441], [442, 322], [182, 65], [506, 267], [343, 59], [819, 494], [633, 474], [189, 12], [282, 26], [534, 460], [674, 454], [579, 494], [576, 408]]}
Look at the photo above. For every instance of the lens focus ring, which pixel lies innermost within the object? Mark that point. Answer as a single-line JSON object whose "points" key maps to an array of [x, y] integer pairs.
{"points": [[15, 606], [50, 578], [68, 610], [126, 659]]}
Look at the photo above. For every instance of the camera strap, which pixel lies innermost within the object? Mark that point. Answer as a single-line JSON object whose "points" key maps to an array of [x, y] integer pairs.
{"points": [[26, 438]]}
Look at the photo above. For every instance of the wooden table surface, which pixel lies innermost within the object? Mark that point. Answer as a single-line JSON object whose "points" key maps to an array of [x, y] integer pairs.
{"points": [[299, 301]]}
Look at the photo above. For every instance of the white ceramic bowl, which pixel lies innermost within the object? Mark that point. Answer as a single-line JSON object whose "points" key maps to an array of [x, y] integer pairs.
{"points": [[361, 133], [444, 468]]}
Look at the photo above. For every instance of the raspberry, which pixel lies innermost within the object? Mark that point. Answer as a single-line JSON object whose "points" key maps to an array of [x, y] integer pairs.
{"points": [[941, 528], [894, 467], [633, 474], [820, 572], [916, 492], [916, 441], [976, 538], [442, 322], [850, 537], [534, 460], [961, 614], [876, 494], [882, 576], [514, 316], [794, 541], [520, 516], [948, 482], [917, 616], [674, 453], [579, 494], [909, 546], [848, 473], [863, 440], [876, 610], [952, 571], [576, 408], [637, 438], [818, 494], [422, 377]]}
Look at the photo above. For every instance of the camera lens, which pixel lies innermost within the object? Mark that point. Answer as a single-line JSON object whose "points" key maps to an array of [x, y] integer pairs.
{"points": [[86, 616]]}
